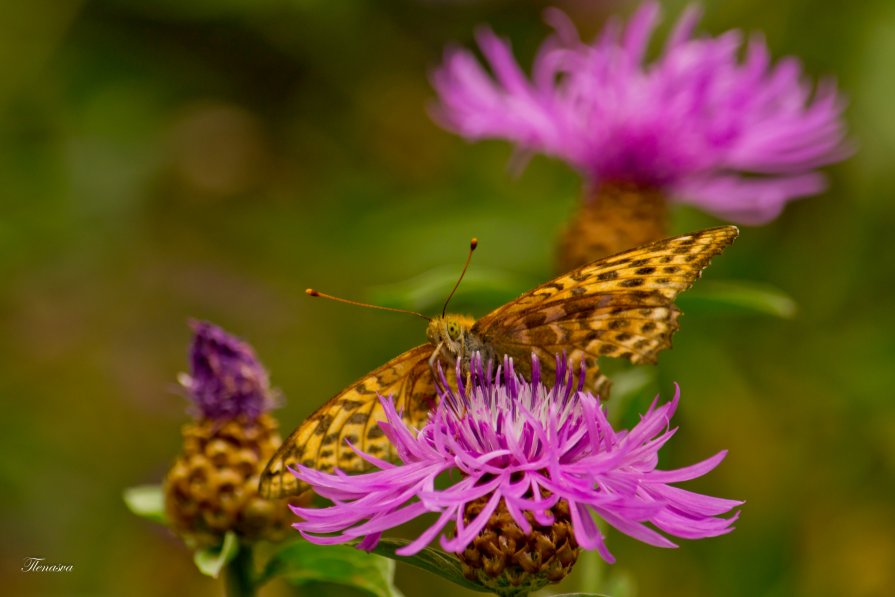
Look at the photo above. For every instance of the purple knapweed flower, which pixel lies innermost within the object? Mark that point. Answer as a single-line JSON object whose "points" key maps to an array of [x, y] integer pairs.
{"points": [[226, 380], [212, 487], [505, 439], [738, 137]]}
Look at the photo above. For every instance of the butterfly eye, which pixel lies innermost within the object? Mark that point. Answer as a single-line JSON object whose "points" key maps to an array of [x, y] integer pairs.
{"points": [[453, 330]]}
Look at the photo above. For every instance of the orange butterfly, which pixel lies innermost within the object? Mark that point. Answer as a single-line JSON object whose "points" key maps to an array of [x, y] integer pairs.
{"points": [[619, 306]]}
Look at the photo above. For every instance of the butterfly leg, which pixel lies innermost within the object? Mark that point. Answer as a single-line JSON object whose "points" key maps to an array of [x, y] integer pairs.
{"points": [[435, 354]]}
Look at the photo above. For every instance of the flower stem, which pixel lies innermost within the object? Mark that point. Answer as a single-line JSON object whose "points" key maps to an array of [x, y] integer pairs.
{"points": [[591, 565], [514, 592], [239, 575]]}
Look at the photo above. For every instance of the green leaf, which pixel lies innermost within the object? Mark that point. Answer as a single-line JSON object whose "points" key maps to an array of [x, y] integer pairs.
{"points": [[146, 501], [428, 291], [737, 296], [302, 562], [432, 560], [211, 560]]}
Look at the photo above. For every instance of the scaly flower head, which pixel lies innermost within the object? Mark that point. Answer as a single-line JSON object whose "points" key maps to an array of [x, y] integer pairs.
{"points": [[738, 137], [530, 463], [212, 488]]}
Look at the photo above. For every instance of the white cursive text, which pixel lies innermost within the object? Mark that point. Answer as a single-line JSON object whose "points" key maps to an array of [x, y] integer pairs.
{"points": [[37, 565]]}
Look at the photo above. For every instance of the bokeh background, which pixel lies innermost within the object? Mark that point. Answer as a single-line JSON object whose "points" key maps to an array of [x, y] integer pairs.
{"points": [[213, 158]]}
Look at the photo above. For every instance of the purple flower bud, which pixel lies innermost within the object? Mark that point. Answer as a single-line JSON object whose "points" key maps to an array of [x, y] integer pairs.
{"points": [[226, 380]]}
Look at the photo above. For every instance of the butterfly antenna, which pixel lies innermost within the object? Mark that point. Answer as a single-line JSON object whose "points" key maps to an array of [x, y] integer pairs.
{"points": [[312, 292], [472, 245]]}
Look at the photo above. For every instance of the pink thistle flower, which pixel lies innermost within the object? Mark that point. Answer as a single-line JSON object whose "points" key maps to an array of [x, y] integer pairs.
{"points": [[515, 442], [738, 137]]}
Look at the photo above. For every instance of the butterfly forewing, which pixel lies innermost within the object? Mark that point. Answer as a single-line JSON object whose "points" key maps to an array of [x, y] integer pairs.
{"points": [[324, 441], [620, 306]]}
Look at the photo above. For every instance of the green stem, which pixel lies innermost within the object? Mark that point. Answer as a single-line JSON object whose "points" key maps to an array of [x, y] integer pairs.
{"points": [[592, 571], [239, 575]]}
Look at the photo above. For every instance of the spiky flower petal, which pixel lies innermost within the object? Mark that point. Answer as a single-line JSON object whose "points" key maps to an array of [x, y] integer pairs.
{"points": [[523, 448]]}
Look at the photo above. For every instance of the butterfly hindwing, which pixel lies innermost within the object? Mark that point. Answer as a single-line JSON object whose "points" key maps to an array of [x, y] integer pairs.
{"points": [[350, 417]]}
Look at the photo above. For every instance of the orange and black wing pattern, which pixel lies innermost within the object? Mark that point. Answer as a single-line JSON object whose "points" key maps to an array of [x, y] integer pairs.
{"points": [[620, 306], [350, 417]]}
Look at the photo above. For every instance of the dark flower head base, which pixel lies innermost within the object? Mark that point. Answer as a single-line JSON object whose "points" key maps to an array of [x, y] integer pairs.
{"points": [[523, 452], [213, 486], [614, 218], [508, 560]]}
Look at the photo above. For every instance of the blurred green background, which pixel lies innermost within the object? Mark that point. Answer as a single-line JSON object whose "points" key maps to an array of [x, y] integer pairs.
{"points": [[212, 158]]}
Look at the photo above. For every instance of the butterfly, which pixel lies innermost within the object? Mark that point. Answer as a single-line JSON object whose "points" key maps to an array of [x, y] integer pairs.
{"points": [[620, 306]]}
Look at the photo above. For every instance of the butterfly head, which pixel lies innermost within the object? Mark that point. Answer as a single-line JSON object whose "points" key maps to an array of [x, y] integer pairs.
{"points": [[451, 332]]}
